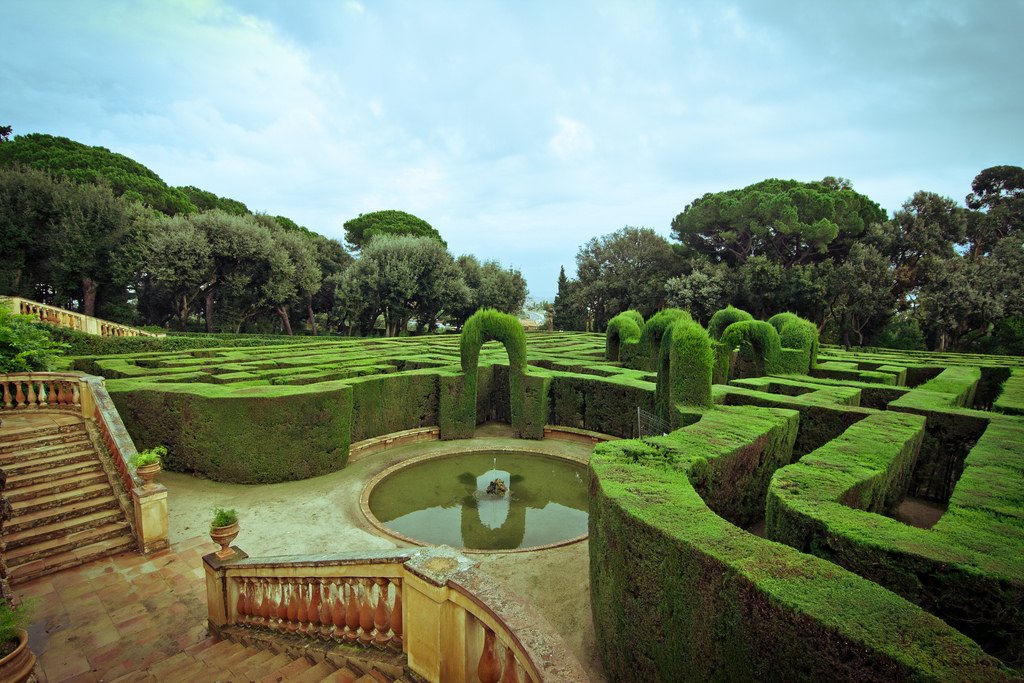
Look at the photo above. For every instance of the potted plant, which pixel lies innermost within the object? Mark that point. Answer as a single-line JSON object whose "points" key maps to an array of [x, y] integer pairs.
{"points": [[147, 464], [223, 530], [16, 660]]}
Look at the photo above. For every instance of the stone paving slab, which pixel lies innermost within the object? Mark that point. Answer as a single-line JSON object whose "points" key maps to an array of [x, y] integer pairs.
{"points": [[119, 614]]}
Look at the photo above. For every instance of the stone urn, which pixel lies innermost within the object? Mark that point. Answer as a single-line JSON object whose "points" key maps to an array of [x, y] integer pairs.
{"points": [[147, 473], [17, 666], [222, 536]]}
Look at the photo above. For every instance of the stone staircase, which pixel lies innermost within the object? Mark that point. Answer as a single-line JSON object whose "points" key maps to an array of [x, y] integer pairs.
{"points": [[65, 511], [213, 660]]}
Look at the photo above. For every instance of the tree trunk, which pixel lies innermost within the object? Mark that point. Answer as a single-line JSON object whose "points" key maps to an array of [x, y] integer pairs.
{"points": [[89, 289], [183, 313], [282, 313], [209, 310], [309, 309]]}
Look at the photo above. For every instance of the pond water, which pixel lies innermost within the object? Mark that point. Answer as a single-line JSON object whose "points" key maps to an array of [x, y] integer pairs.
{"points": [[444, 501]]}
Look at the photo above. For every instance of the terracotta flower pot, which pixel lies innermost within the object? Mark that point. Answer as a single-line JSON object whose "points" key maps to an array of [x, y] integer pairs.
{"points": [[223, 535], [17, 666], [147, 473]]}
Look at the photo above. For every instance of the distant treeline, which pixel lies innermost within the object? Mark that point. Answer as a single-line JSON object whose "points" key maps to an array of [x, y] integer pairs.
{"points": [[936, 274], [90, 230]]}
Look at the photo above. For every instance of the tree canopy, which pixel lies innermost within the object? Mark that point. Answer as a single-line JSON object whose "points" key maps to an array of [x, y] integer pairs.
{"points": [[359, 230], [85, 164]]}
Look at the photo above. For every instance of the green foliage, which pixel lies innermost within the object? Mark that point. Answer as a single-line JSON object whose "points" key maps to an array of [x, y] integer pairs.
{"points": [[360, 230], [83, 164], [223, 517], [622, 329], [690, 360], [663, 559], [149, 456], [487, 286], [570, 308], [648, 356], [25, 345], [14, 619], [723, 318], [207, 201], [760, 350], [624, 270], [901, 333]]}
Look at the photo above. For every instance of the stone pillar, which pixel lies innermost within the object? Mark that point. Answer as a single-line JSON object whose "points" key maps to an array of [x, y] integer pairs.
{"points": [[217, 597], [434, 628], [151, 518]]}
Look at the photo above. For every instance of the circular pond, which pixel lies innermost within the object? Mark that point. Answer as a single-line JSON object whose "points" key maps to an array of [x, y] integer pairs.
{"points": [[493, 500]]}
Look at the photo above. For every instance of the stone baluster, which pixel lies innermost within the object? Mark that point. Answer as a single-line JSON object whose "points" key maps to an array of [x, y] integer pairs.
{"points": [[380, 615], [313, 611], [489, 668], [267, 608], [302, 613], [352, 613], [76, 394], [511, 674], [242, 604], [338, 609], [396, 615], [61, 399], [366, 613], [7, 395], [19, 397]]}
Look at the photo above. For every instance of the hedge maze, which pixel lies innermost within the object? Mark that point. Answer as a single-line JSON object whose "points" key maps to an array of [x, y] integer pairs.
{"points": [[760, 538]]}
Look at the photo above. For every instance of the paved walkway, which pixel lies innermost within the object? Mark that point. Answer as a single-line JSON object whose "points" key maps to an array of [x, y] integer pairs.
{"points": [[102, 620]]}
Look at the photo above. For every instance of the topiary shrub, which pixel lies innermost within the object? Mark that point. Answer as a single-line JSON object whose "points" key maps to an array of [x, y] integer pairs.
{"points": [[459, 398], [623, 329], [685, 370], [725, 317], [649, 351], [799, 341], [759, 348]]}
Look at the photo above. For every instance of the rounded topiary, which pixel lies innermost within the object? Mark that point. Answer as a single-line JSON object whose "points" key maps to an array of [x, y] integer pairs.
{"points": [[758, 344], [725, 317], [687, 349], [622, 329], [654, 330], [637, 317], [488, 324]]}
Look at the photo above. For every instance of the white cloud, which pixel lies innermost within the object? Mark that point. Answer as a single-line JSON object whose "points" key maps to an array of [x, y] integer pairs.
{"points": [[571, 139]]}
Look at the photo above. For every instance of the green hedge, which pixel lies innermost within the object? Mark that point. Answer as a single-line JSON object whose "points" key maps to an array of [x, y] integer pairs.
{"points": [[679, 593], [248, 435], [1011, 398], [721, 319], [968, 569], [622, 330], [759, 348], [648, 354], [82, 344], [684, 377], [606, 405]]}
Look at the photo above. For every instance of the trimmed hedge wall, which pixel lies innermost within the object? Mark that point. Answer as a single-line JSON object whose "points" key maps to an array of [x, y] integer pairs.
{"points": [[622, 330], [679, 593], [759, 348], [721, 319], [252, 435], [648, 353], [967, 569]]}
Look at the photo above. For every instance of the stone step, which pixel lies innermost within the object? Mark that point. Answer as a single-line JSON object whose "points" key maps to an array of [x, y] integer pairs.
{"points": [[33, 441], [59, 528], [55, 476], [29, 504], [287, 672], [246, 671], [49, 564], [342, 675], [50, 515], [314, 674], [13, 435], [57, 457], [66, 543]]}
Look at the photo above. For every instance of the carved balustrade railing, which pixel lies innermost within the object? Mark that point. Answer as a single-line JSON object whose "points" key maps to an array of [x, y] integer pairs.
{"points": [[76, 321], [452, 622], [87, 396]]}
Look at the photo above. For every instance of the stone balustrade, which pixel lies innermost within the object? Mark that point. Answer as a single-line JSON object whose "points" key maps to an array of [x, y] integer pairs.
{"points": [[76, 321], [85, 394], [452, 622]]}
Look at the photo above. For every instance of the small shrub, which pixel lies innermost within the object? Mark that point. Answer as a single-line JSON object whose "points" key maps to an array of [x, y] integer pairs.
{"points": [[13, 619], [25, 345], [150, 456], [223, 517]]}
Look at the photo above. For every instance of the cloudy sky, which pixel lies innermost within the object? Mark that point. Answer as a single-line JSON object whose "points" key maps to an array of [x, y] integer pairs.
{"points": [[522, 129]]}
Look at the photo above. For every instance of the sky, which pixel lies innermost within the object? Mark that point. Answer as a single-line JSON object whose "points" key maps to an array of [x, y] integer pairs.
{"points": [[520, 130]]}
